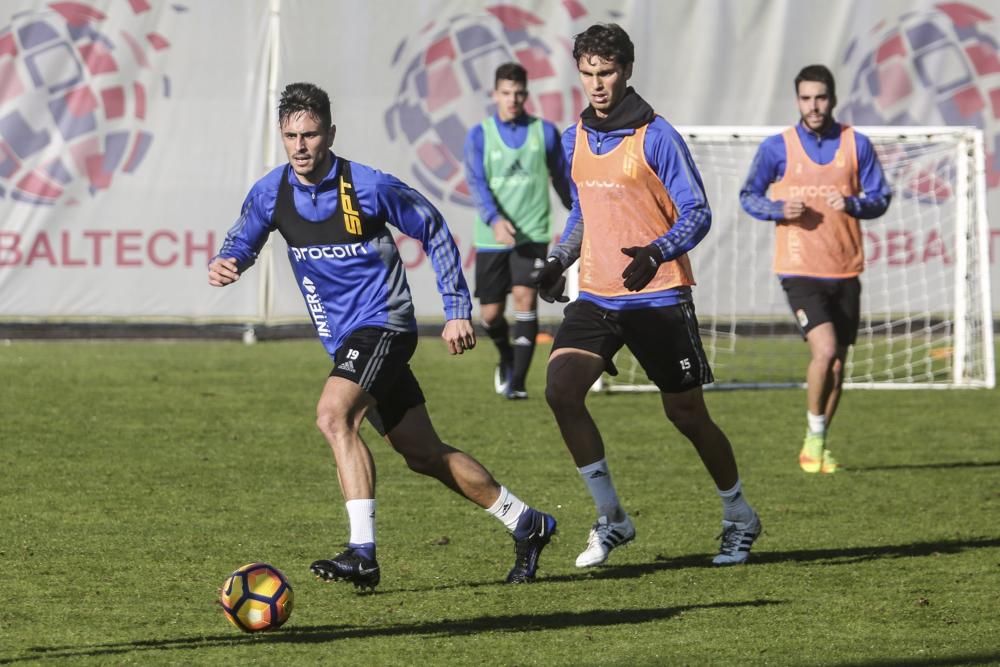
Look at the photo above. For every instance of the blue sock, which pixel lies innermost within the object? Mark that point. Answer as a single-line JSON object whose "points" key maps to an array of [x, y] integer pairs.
{"points": [[525, 524], [366, 550]]}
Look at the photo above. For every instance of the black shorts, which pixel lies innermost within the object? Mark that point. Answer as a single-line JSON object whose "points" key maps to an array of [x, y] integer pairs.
{"points": [[497, 272], [665, 341], [377, 360], [817, 300]]}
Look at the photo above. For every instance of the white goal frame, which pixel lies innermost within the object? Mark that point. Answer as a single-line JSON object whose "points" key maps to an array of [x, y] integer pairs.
{"points": [[968, 322]]}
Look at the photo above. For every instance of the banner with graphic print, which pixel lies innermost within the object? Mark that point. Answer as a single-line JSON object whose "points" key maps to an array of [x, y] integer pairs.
{"points": [[126, 151], [413, 78], [407, 82], [129, 131]]}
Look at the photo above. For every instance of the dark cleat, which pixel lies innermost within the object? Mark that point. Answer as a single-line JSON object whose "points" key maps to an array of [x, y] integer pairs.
{"points": [[350, 565], [537, 528]]}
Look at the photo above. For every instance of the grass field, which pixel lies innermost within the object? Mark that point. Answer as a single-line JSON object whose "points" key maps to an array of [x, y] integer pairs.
{"points": [[136, 476]]}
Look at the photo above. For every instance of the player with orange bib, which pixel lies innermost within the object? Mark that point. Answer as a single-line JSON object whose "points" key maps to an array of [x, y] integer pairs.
{"points": [[638, 208], [823, 177]]}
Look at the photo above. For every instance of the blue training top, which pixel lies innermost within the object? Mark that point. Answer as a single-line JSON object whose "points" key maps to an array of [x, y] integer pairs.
{"points": [[344, 258]]}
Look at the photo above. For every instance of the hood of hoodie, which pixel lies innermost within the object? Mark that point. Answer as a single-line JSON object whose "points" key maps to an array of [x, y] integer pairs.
{"points": [[631, 113]]}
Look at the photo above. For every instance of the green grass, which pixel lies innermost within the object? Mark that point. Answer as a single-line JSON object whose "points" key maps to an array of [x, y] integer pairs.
{"points": [[136, 476]]}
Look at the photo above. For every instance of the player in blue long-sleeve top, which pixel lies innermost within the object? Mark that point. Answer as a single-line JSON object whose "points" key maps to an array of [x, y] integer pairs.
{"points": [[509, 160], [638, 208], [333, 214], [816, 180]]}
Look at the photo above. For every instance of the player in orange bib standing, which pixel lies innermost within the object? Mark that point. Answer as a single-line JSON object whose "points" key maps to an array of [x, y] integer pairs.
{"points": [[823, 177], [636, 187]]}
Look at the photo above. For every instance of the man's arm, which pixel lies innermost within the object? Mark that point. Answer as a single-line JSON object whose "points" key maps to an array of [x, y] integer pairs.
{"points": [[768, 166], [459, 336], [555, 159], [567, 250], [411, 213], [242, 244], [475, 176], [670, 158], [876, 189]]}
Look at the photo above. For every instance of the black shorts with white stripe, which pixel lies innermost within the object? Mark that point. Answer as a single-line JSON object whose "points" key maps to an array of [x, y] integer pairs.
{"points": [[378, 360], [664, 340]]}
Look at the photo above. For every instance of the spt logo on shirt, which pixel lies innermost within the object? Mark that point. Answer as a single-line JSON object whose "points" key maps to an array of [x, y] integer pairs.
{"points": [[446, 75], [932, 67], [76, 86]]}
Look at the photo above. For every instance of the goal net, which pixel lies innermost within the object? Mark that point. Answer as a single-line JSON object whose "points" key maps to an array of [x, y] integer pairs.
{"points": [[926, 315]]}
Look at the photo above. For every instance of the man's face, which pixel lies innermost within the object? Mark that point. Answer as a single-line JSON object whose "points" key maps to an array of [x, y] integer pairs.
{"points": [[307, 144], [509, 97], [815, 105], [604, 81]]}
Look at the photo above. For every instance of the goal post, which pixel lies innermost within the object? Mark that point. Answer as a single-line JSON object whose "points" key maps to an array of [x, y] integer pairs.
{"points": [[926, 314]]}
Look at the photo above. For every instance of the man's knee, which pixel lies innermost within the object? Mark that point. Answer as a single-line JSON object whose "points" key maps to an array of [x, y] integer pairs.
{"points": [[686, 412], [823, 346], [335, 419], [569, 376], [563, 393], [417, 442]]}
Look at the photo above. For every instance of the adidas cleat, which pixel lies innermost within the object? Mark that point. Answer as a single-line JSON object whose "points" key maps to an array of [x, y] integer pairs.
{"points": [[349, 566], [604, 536], [528, 549], [737, 538]]}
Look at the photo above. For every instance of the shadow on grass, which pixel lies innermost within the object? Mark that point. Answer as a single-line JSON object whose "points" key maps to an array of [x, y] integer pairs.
{"points": [[944, 661], [443, 628], [839, 556], [927, 466]]}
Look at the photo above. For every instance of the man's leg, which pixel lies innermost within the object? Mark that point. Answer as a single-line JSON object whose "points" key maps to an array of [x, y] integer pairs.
{"points": [[341, 407], [417, 441], [525, 333], [824, 377], [571, 373], [688, 412], [822, 342], [740, 524], [492, 287], [496, 329], [836, 385]]}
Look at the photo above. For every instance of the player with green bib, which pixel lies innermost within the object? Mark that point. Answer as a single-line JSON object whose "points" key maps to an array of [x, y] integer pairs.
{"points": [[509, 159]]}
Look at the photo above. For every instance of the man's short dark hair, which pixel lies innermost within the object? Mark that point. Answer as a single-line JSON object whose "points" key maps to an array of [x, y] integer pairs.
{"points": [[820, 74], [511, 72], [312, 99], [605, 40]]}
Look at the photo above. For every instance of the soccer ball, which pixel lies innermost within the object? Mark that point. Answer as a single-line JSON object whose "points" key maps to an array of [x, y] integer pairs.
{"points": [[257, 597]]}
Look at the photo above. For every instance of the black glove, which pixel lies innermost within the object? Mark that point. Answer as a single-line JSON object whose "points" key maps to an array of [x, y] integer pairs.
{"points": [[551, 282], [645, 261]]}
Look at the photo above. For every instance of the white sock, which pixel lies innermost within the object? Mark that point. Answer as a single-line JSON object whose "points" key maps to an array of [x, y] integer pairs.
{"points": [[817, 423], [734, 506], [598, 480], [508, 508], [361, 514]]}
